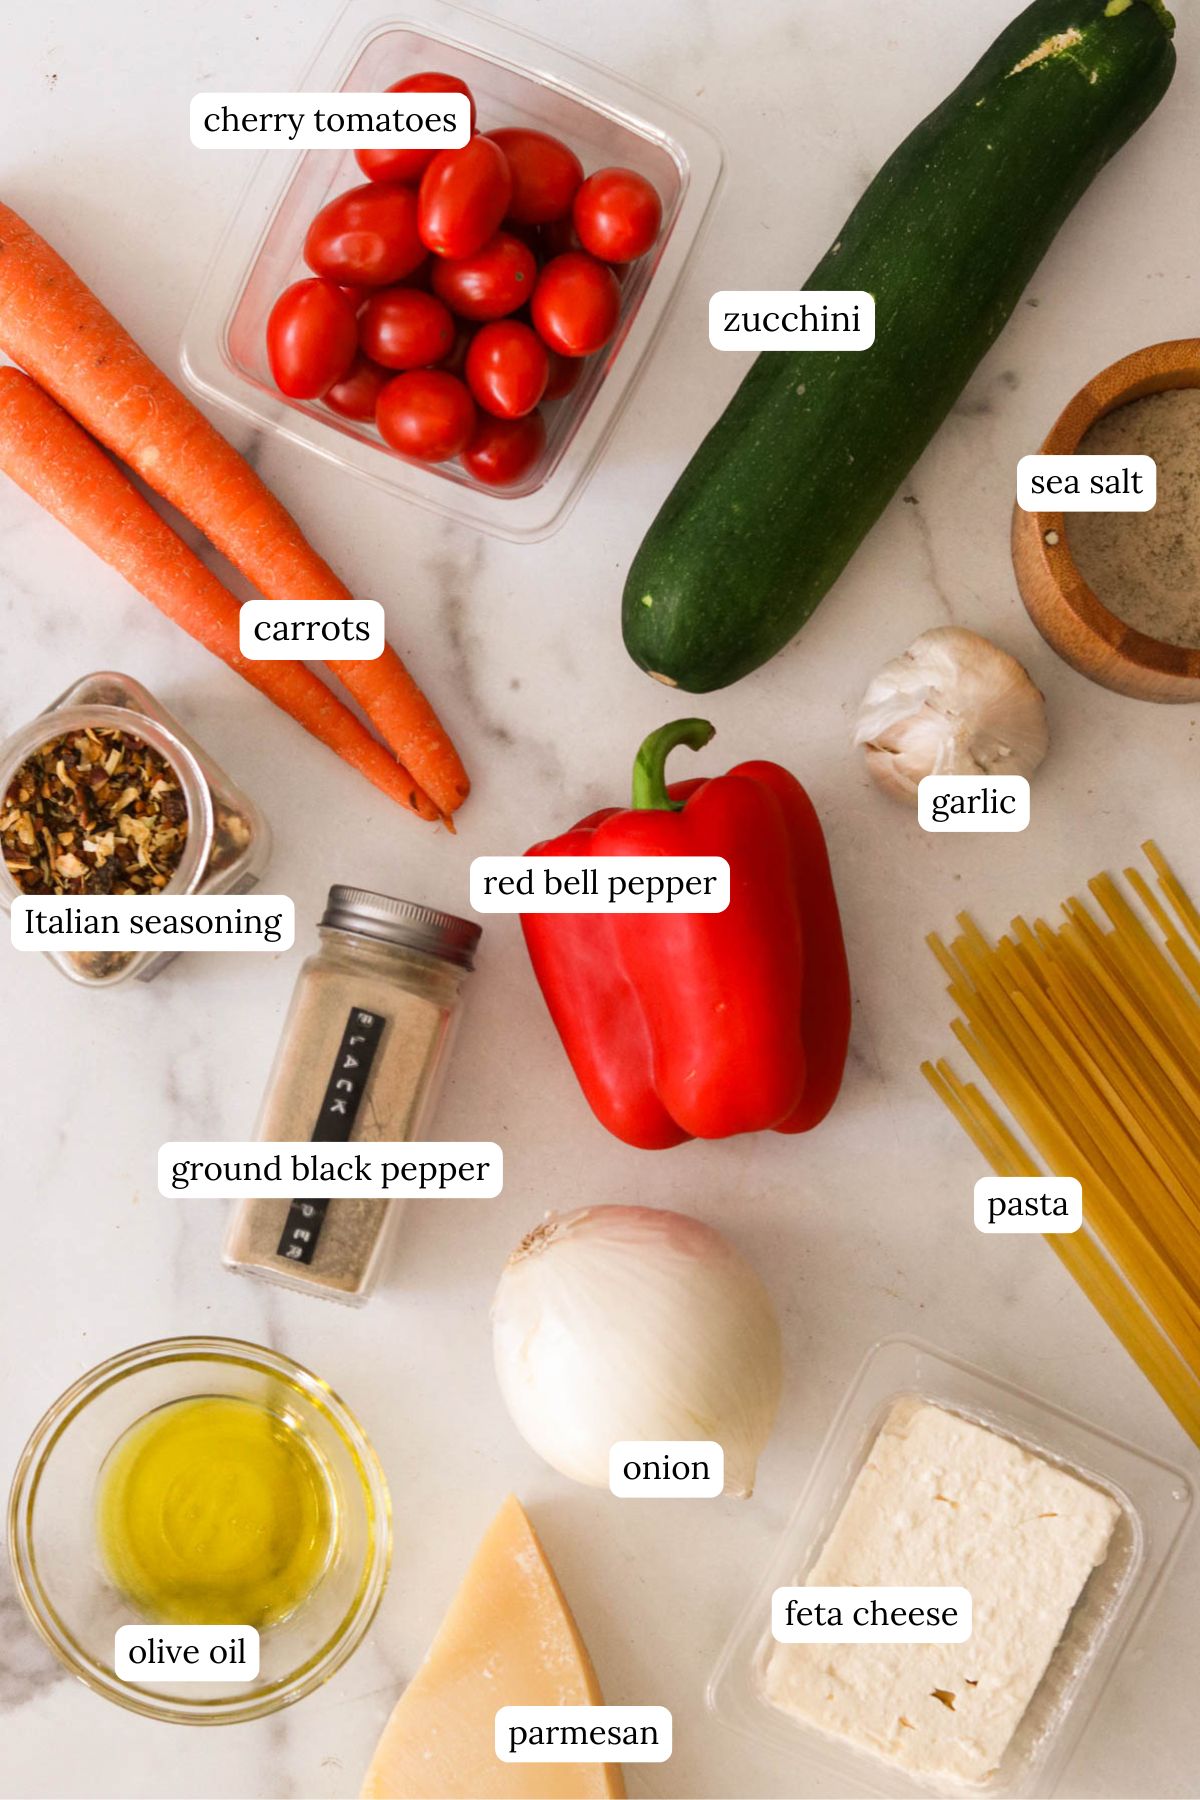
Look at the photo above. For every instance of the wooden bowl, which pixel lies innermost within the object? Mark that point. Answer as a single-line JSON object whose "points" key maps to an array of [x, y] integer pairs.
{"points": [[1058, 599]]}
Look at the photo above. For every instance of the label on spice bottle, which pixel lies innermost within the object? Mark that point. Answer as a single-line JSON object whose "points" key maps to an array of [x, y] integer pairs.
{"points": [[335, 1122], [583, 1734], [299, 1169], [149, 1654], [178, 922], [756, 319], [1067, 484], [377, 121], [871, 1615], [1029, 1203], [600, 884], [666, 1469], [277, 630], [973, 802]]}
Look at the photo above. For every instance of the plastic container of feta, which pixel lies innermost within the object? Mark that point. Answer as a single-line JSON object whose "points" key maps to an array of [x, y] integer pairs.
{"points": [[516, 79], [1155, 1502]]}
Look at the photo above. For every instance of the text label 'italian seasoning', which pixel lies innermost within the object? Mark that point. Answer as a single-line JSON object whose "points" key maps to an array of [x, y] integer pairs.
{"points": [[330, 121], [174, 922], [599, 884]]}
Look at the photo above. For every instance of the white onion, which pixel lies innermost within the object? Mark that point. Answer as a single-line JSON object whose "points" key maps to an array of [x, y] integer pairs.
{"points": [[625, 1322]]}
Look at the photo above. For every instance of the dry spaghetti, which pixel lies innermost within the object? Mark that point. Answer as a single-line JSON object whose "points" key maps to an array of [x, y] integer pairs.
{"points": [[1089, 1035]]}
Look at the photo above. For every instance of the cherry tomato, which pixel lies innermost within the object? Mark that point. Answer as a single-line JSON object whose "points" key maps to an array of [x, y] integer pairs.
{"points": [[564, 375], [410, 165], [502, 450], [507, 369], [463, 197], [617, 214], [545, 174], [402, 328], [367, 236], [575, 304], [495, 281], [427, 415], [354, 396], [311, 338]]}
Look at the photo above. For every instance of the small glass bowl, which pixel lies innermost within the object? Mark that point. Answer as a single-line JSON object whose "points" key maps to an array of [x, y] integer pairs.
{"points": [[52, 1531], [1155, 1502], [516, 79], [228, 839]]}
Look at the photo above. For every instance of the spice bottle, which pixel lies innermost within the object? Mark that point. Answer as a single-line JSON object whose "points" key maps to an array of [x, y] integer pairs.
{"points": [[225, 839], [363, 1049]]}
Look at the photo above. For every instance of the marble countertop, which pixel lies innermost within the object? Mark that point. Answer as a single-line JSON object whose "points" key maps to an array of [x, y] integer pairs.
{"points": [[862, 1231]]}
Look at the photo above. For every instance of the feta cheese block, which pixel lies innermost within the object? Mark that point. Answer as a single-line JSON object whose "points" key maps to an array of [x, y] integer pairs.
{"points": [[943, 1502], [507, 1640]]}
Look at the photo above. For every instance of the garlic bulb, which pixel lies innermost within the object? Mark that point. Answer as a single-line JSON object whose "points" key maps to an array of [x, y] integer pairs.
{"points": [[953, 704], [619, 1322]]}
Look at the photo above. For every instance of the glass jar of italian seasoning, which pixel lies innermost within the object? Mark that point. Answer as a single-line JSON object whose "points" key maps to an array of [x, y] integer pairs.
{"points": [[363, 1050]]}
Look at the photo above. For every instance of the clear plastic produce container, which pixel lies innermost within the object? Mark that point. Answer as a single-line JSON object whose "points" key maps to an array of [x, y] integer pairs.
{"points": [[1155, 1503], [516, 80]]}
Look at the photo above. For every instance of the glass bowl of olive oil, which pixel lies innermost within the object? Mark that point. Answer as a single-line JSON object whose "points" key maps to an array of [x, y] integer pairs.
{"points": [[201, 1481]]}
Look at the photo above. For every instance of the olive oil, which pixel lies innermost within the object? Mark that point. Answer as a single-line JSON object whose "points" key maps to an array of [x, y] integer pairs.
{"points": [[215, 1510]]}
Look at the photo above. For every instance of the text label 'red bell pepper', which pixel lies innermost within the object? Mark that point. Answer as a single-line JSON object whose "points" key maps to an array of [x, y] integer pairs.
{"points": [[703, 1025]]}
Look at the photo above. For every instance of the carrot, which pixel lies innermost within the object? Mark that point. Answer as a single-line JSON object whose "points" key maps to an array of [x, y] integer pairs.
{"points": [[57, 464], [55, 327]]}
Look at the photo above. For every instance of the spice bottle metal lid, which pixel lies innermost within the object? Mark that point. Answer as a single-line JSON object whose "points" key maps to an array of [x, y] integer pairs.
{"points": [[404, 923]]}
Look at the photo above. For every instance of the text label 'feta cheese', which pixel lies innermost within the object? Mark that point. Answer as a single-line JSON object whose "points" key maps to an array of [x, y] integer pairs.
{"points": [[666, 1469], [791, 319], [1068, 484], [600, 884], [149, 1654], [330, 121], [583, 1734], [171, 922], [871, 1615], [1028, 1203], [307, 1170], [973, 802], [312, 630]]}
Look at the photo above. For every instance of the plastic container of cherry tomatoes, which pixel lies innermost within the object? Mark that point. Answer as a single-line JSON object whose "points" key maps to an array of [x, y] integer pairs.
{"points": [[516, 80]]}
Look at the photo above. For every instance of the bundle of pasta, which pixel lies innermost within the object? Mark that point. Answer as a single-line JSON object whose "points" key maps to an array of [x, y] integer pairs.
{"points": [[1089, 1034]]}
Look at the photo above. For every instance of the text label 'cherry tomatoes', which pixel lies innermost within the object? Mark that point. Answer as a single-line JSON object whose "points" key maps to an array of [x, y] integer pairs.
{"points": [[545, 175], [427, 415], [355, 395], [311, 338], [368, 236], [463, 197], [507, 369], [493, 282], [617, 214], [404, 328], [502, 450], [576, 303], [410, 165]]}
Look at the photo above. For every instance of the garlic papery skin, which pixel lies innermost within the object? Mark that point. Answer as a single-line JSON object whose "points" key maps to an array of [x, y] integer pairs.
{"points": [[953, 704], [626, 1322]]}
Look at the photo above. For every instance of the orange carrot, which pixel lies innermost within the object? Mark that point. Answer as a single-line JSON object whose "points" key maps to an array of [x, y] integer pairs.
{"points": [[63, 469], [55, 327]]}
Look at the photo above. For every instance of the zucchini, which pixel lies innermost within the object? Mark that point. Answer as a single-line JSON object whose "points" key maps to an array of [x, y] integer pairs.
{"points": [[813, 445]]}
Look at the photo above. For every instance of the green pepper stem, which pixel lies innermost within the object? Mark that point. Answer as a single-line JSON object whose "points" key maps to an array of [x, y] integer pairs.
{"points": [[649, 765]]}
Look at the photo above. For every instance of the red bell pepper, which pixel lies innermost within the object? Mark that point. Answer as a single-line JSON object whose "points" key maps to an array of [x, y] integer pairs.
{"points": [[702, 1025]]}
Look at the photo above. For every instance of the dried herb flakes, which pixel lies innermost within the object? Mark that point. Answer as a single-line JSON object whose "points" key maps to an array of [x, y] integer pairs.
{"points": [[96, 811]]}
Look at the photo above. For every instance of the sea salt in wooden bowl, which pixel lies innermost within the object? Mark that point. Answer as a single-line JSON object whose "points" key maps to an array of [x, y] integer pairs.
{"points": [[1071, 618]]}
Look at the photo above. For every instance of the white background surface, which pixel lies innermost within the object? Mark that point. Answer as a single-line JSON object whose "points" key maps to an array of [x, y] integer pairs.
{"points": [[864, 1229]]}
